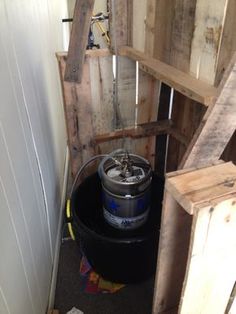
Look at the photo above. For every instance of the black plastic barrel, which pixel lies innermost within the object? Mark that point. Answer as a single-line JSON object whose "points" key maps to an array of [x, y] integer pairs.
{"points": [[117, 255]]}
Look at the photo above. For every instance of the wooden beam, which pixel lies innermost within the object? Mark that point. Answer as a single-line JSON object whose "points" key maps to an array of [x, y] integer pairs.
{"points": [[142, 130], [94, 53], [77, 108], [78, 40], [217, 126], [159, 18], [207, 38], [119, 24], [180, 81]]}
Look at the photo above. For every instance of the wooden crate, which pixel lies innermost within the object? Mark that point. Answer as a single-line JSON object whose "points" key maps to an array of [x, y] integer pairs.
{"points": [[197, 249]]}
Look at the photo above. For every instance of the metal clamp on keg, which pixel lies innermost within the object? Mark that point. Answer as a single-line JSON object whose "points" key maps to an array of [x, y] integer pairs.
{"points": [[126, 182]]}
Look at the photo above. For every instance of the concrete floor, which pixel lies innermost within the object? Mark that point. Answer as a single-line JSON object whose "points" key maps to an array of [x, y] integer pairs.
{"points": [[133, 299]]}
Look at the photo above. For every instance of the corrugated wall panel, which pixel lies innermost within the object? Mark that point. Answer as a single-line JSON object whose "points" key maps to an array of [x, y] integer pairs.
{"points": [[32, 151]]}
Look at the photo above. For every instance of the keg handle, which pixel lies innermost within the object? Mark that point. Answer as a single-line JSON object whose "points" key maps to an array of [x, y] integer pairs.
{"points": [[111, 156]]}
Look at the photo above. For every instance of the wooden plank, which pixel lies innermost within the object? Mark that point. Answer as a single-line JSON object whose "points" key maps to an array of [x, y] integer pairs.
{"points": [[158, 17], [182, 29], [139, 24], [179, 50], [71, 120], [172, 256], [118, 23], [130, 22], [194, 187], [77, 107], [101, 75], [158, 29], [180, 81], [78, 40], [148, 94], [211, 272], [228, 42], [217, 126], [126, 81], [150, 27], [81, 97], [147, 109], [89, 53], [142, 130], [206, 43]]}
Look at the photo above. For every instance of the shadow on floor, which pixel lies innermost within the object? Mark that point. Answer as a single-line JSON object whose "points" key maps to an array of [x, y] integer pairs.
{"points": [[133, 299]]}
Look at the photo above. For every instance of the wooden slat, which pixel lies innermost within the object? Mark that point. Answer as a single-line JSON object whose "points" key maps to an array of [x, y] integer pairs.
{"points": [[127, 90], [77, 108], [89, 53], [118, 24], [130, 22], [180, 81], [228, 41], [217, 126], [194, 187], [182, 28], [101, 75], [139, 24], [158, 29], [172, 256], [143, 130], [211, 272], [70, 111], [206, 42], [147, 109], [78, 40], [185, 111]]}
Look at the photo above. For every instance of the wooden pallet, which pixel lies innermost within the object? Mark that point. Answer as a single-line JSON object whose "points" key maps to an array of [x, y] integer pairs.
{"points": [[197, 249]]}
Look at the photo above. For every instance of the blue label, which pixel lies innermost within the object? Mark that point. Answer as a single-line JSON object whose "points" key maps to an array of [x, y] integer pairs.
{"points": [[113, 206]]}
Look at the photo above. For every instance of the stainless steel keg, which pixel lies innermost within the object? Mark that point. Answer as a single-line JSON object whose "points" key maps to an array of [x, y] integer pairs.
{"points": [[126, 181]]}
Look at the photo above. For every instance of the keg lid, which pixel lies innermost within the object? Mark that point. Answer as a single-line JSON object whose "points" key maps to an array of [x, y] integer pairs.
{"points": [[126, 168]]}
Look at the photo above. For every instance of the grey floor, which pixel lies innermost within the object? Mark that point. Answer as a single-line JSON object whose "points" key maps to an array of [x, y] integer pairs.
{"points": [[133, 299]]}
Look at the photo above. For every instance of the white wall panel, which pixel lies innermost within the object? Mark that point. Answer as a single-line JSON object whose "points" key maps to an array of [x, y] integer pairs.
{"points": [[32, 151]]}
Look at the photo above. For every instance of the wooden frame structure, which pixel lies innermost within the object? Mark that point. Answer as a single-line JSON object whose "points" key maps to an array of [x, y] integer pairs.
{"points": [[90, 115], [187, 53], [194, 101], [197, 249]]}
